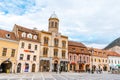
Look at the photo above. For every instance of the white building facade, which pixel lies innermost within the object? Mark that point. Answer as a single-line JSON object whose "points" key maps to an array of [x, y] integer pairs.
{"points": [[114, 60], [28, 50]]}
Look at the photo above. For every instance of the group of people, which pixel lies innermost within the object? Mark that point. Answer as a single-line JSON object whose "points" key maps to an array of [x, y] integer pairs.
{"points": [[99, 71], [59, 70], [96, 70]]}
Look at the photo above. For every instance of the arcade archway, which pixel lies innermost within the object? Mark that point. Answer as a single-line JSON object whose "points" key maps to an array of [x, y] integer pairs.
{"points": [[55, 65], [19, 68], [33, 67], [6, 66]]}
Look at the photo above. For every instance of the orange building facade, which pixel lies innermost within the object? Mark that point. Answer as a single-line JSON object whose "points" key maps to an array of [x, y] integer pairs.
{"points": [[79, 57]]}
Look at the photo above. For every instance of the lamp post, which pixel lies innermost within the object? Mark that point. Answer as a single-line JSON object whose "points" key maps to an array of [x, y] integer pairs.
{"points": [[91, 53]]}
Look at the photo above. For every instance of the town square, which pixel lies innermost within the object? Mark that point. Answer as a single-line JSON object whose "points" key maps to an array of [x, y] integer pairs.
{"points": [[40, 42], [61, 76]]}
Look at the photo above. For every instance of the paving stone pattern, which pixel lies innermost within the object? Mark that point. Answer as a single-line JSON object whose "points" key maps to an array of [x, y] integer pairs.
{"points": [[62, 76]]}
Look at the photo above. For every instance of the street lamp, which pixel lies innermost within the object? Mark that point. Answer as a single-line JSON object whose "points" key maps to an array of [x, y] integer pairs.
{"points": [[91, 53]]}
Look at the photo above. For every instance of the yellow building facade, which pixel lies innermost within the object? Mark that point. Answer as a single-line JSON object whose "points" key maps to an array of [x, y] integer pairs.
{"points": [[8, 51], [98, 59], [54, 47]]}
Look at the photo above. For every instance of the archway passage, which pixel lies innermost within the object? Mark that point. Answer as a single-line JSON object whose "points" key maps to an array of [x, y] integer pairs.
{"points": [[87, 67], [6, 66], [105, 68], [19, 68], [33, 67], [55, 65]]}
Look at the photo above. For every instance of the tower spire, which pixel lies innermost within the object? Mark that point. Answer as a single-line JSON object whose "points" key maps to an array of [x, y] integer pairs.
{"points": [[53, 23]]}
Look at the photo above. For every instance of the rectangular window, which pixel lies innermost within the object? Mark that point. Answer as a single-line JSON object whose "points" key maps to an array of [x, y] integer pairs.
{"points": [[35, 47], [4, 52], [63, 54], [74, 58], [29, 46], [87, 59], [63, 44], [28, 57], [80, 58], [46, 39], [21, 56], [22, 45], [45, 52], [55, 52], [34, 58], [56, 41], [13, 53]]}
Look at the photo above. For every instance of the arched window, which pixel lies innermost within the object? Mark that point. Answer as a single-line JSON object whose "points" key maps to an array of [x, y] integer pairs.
{"points": [[52, 24], [56, 24], [24, 34], [29, 36], [26, 67]]}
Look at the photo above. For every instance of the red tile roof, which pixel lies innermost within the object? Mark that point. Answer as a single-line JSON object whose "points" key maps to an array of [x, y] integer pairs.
{"points": [[21, 28], [112, 53], [7, 35], [73, 43]]}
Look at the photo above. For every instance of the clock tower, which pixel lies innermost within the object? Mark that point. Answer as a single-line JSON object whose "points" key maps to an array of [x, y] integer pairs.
{"points": [[53, 23]]}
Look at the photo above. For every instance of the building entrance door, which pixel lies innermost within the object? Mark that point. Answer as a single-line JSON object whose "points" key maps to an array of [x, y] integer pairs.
{"points": [[33, 68], [6, 66], [55, 65], [19, 68]]}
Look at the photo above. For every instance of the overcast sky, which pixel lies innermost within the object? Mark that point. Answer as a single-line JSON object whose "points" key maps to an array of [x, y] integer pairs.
{"points": [[95, 23]]}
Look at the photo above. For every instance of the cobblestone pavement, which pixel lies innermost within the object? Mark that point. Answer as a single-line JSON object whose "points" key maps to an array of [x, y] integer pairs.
{"points": [[62, 76]]}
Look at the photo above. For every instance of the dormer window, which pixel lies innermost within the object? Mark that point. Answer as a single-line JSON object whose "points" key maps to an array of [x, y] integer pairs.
{"points": [[7, 35], [29, 36], [35, 37], [23, 34]]}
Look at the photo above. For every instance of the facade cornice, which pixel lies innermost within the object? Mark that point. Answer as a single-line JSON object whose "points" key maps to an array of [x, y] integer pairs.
{"points": [[9, 40]]}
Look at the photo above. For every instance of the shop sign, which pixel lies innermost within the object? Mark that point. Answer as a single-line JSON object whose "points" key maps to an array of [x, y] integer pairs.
{"points": [[29, 51]]}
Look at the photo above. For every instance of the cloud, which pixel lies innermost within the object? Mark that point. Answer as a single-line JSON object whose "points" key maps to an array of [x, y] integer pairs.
{"points": [[89, 21]]}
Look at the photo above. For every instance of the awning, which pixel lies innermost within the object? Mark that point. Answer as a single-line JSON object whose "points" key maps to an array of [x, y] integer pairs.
{"points": [[73, 63], [118, 65]]}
